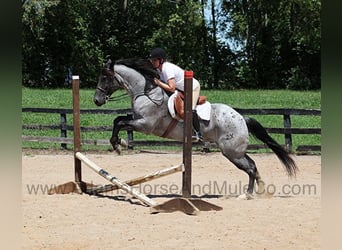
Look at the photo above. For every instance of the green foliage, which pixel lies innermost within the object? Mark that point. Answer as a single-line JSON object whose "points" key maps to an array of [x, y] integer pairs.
{"points": [[280, 41], [64, 41], [269, 44]]}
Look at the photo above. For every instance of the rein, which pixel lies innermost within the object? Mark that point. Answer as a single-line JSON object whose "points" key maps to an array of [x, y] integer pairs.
{"points": [[107, 97], [118, 98], [125, 85], [157, 102]]}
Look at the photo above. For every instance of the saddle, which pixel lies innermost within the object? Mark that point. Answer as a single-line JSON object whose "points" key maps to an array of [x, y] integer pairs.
{"points": [[179, 103]]}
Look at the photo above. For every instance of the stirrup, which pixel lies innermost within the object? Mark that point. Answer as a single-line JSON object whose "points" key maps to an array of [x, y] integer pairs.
{"points": [[197, 137]]}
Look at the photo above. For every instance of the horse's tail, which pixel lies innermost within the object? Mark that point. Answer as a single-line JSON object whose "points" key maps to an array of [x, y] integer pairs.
{"points": [[258, 131]]}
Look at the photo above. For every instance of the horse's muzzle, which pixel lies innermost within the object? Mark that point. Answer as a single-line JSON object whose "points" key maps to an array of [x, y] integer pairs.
{"points": [[99, 101]]}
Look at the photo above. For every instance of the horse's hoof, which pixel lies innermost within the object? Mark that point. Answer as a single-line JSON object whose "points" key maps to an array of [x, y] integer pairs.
{"points": [[266, 194], [261, 188], [118, 149], [245, 196], [123, 143]]}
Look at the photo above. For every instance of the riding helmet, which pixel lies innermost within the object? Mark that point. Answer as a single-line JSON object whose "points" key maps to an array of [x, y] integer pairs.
{"points": [[157, 53]]}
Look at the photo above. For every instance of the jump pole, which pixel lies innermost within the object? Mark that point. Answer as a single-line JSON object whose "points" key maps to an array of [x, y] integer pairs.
{"points": [[155, 175], [115, 180]]}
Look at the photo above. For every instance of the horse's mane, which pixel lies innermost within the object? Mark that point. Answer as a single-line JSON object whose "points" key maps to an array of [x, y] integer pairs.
{"points": [[143, 66]]}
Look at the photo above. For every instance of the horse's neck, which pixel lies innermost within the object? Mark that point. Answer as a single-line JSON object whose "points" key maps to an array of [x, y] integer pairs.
{"points": [[132, 81]]}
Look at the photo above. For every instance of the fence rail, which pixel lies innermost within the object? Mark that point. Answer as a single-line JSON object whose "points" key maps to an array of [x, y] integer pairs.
{"points": [[286, 130]]}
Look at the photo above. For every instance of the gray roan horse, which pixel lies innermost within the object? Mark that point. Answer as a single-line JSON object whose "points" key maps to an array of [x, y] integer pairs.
{"points": [[227, 128]]}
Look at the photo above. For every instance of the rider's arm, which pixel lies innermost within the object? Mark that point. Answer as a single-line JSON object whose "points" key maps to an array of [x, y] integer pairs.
{"points": [[169, 86]]}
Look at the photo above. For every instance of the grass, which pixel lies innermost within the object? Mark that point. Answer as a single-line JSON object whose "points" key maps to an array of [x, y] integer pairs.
{"points": [[62, 98]]}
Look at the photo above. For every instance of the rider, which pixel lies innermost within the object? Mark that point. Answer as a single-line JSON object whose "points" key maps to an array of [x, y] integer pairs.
{"points": [[172, 78]]}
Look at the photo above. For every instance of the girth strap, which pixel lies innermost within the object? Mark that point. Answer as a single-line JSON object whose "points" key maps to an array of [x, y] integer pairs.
{"points": [[171, 126]]}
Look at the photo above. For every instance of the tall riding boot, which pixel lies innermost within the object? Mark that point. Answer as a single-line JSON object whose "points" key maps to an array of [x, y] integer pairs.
{"points": [[196, 126]]}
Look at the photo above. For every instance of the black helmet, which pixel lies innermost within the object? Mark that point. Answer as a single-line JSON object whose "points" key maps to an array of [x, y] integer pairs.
{"points": [[157, 53]]}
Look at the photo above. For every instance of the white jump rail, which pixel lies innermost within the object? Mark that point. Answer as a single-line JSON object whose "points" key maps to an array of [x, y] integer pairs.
{"points": [[115, 180], [148, 177]]}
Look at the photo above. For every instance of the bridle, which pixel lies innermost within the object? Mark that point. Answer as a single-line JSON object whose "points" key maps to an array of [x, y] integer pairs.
{"points": [[121, 82], [107, 97]]}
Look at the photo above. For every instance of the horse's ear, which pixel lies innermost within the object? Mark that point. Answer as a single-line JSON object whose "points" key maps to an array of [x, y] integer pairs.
{"points": [[108, 64]]}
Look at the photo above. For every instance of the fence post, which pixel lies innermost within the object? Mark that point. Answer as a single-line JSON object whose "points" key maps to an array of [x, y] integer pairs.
{"points": [[63, 129], [288, 135]]}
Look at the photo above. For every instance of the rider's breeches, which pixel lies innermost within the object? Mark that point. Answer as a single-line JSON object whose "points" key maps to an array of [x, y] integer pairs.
{"points": [[195, 95]]}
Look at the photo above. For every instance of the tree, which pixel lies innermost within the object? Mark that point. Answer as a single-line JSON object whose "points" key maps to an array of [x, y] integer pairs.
{"points": [[269, 44], [279, 40], [34, 66], [55, 40]]}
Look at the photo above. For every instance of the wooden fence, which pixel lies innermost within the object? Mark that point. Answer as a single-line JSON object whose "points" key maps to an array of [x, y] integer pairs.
{"points": [[286, 130]]}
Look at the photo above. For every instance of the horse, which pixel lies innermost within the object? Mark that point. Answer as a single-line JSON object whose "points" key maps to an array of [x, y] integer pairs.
{"points": [[226, 127]]}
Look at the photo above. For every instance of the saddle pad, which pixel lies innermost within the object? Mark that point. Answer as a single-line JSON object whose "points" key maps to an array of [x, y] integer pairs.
{"points": [[203, 110]]}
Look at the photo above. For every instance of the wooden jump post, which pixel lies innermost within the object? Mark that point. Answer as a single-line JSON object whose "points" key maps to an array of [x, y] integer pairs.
{"points": [[77, 130], [187, 137]]}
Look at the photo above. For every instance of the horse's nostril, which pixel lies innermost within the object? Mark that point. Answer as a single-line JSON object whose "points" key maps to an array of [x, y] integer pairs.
{"points": [[96, 102]]}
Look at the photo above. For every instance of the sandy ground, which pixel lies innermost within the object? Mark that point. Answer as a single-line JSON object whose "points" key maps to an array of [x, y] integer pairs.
{"points": [[288, 220]]}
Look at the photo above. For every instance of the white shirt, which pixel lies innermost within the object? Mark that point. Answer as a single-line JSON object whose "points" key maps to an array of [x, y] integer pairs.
{"points": [[170, 70]]}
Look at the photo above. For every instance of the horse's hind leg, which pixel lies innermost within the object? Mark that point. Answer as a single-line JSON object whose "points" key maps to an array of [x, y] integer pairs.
{"points": [[246, 164]]}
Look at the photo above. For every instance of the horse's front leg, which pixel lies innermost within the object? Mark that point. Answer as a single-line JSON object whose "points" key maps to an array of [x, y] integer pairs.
{"points": [[118, 124]]}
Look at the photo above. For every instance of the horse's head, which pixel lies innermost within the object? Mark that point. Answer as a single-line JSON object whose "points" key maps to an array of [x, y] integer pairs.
{"points": [[106, 85], [136, 76]]}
